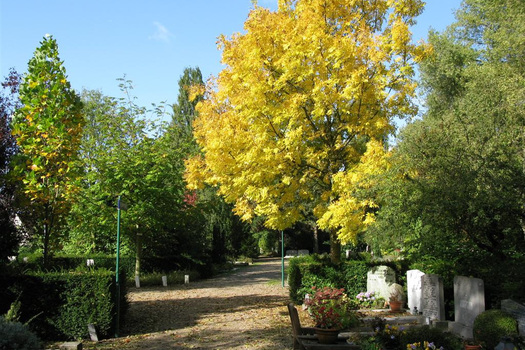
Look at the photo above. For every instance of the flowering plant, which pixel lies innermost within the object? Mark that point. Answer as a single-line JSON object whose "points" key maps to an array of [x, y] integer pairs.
{"points": [[369, 300], [426, 346], [330, 308], [389, 336]]}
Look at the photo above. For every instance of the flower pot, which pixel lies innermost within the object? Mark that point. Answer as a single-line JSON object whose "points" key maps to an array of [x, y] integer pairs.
{"points": [[472, 347], [395, 306], [327, 335]]}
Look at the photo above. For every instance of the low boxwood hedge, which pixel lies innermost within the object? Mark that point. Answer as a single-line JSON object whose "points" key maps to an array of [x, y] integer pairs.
{"points": [[59, 305]]}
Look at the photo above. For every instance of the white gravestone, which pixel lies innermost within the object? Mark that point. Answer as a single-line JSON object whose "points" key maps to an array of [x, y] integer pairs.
{"points": [[186, 279], [469, 302], [164, 281], [469, 299], [433, 299], [380, 280], [414, 289]]}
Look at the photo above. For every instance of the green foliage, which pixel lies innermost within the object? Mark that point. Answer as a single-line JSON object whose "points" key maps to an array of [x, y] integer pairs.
{"points": [[48, 130], [453, 199], [14, 335], [60, 304], [310, 271], [436, 336], [331, 308], [492, 325], [355, 276]]}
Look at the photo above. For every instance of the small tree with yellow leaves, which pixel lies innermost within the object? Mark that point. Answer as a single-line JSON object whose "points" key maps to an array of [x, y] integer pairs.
{"points": [[48, 131]]}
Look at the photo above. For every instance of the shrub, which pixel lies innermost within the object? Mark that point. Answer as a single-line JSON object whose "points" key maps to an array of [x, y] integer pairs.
{"points": [[492, 325], [355, 276], [310, 271], [434, 336], [61, 304], [369, 300], [14, 335]]}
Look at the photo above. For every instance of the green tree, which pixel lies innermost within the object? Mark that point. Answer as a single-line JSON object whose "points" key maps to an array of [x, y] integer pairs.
{"points": [[125, 153], [456, 185], [48, 131], [184, 112]]}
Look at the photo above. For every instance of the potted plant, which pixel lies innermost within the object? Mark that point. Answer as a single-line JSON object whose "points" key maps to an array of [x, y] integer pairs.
{"points": [[331, 311], [395, 300]]}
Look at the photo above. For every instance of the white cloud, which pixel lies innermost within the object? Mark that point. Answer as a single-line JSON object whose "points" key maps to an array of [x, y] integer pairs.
{"points": [[161, 34]]}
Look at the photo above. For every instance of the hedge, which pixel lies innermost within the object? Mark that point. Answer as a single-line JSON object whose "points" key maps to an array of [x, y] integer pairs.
{"points": [[164, 264], [59, 305], [314, 270]]}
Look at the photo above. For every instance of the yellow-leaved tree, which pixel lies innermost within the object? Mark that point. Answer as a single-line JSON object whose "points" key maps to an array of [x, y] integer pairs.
{"points": [[296, 120]]}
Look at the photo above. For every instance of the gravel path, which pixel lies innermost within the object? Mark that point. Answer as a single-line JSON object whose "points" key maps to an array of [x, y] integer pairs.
{"points": [[245, 309]]}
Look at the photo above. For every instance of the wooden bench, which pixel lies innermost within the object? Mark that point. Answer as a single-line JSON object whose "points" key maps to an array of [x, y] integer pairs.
{"points": [[297, 330]]}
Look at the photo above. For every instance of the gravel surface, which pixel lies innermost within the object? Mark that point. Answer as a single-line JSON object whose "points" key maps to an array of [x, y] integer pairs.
{"points": [[244, 309]]}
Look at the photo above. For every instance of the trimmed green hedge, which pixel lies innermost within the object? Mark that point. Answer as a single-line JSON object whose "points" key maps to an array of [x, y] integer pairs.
{"points": [[316, 270], [61, 304]]}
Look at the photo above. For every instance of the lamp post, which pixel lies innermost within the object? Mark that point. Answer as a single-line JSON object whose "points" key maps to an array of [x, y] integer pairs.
{"points": [[282, 258], [117, 270]]}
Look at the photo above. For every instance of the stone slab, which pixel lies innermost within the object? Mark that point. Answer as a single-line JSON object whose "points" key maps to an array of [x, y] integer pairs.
{"points": [[414, 290], [461, 330], [469, 299], [379, 280], [433, 299], [71, 345]]}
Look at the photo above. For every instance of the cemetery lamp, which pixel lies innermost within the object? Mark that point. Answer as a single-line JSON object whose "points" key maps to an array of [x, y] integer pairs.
{"points": [[282, 258], [505, 344], [117, 282]]}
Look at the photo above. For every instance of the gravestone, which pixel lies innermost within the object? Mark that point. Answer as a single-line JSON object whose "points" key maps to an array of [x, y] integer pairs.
{"points": [[379, 280], [469, 302], [414, 289], [186, 279], [92, 332], [71, 345], [90, 262], [433, 299], [517, 311], [291, 253], [164, 281]]}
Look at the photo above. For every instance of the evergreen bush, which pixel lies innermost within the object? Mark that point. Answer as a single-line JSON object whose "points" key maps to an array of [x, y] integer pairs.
{"points": [[310, 271], [61, 304], [14, 335], [492, 325]]}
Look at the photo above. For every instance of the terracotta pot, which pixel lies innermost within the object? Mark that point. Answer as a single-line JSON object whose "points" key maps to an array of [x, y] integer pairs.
{"points": [[395, 306], [472, 347], [327, 336]]}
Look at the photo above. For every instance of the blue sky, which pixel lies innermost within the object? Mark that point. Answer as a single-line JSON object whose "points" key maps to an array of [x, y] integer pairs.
{"points": [[151, 42]]}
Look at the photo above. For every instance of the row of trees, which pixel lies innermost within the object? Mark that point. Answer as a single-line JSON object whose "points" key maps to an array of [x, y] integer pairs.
{"points": [[294, 131], [68, 156]]}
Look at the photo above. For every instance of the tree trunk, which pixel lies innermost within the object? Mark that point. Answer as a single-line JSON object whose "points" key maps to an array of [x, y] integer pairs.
{"points": [[316, 239], [46, 245], [335, 248], [138, 254]]}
